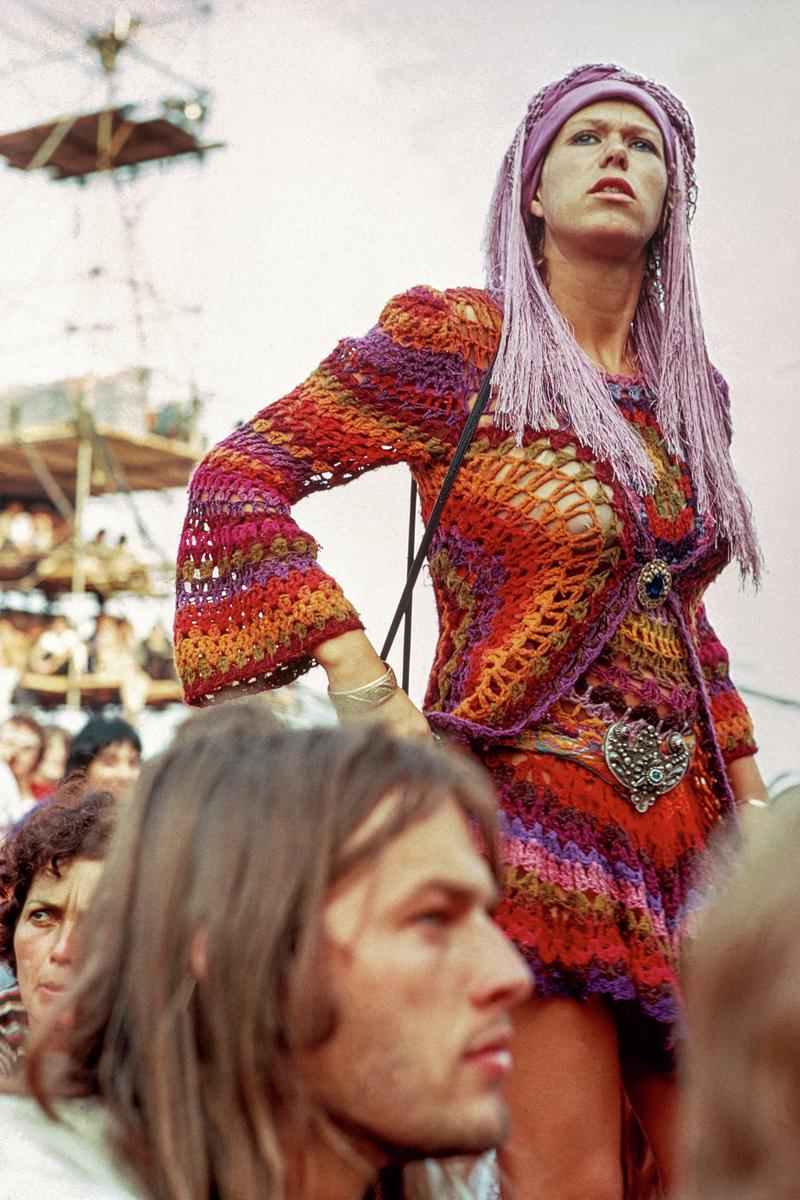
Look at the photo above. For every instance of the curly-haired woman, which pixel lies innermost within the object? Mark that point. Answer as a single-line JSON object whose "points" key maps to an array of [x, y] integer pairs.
{"points": [[49, 869]]}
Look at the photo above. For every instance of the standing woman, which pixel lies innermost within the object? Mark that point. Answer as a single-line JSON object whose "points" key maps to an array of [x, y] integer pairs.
{"points": [[596, 503]]}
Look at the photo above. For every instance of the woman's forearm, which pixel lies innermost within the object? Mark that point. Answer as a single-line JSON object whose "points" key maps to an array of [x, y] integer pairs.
{"points": [[349, 660], [745, 780]]}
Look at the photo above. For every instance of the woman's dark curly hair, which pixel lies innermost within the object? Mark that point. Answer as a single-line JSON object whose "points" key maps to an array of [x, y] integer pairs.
{"points": [[49, 838]]}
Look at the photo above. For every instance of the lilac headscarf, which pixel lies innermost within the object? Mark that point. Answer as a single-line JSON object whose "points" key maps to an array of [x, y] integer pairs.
{"points": [[542, 376]]}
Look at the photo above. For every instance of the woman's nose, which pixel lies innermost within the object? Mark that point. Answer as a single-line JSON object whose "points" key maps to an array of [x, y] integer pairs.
{"points": [[615, 153], [63, 947]]}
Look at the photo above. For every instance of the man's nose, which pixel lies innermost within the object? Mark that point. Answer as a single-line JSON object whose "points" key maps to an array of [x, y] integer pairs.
{"points": [[505, 976]]}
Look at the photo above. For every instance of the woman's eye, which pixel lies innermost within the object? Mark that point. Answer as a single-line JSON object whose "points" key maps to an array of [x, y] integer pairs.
{"points": [[39, 916], [643, 144], [585, 138]]}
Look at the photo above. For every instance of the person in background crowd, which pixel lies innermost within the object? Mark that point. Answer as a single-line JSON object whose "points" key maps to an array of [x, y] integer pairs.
{"points": [[21, 750], [50, 770], [108, 751], [741, 1102], [57, 645], [290, 976], [157, 654], [49, 868], [17, 529]]}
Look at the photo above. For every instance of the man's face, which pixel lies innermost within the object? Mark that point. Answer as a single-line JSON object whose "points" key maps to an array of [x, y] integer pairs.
{"points": [[423, 982]]}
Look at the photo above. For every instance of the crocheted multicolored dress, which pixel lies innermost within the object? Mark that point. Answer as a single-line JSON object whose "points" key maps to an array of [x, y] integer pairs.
{"points": [[552, 628]]}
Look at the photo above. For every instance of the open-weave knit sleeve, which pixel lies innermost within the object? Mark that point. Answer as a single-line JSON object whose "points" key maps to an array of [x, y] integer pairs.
{"points": [[252, 600], [732, 721]]}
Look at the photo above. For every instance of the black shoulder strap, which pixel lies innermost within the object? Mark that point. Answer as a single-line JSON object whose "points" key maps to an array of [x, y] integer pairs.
{"points": [[404, 604]]}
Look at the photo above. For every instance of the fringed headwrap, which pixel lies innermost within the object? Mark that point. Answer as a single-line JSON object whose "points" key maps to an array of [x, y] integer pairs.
{"points": [[542, 376]]}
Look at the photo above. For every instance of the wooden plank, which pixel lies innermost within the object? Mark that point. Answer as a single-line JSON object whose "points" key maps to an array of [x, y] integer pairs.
{"points": [[97, 687], [148, 461], [76, 152]]}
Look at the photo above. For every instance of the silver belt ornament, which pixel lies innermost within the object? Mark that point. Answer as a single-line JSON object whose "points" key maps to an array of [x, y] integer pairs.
{"points": [[647, 763]]}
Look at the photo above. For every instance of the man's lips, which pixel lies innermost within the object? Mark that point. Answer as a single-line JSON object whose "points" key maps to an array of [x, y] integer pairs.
{"points": [[612, 185], [493, 1054]]}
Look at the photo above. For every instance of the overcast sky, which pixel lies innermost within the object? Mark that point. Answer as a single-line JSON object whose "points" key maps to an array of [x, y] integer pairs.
{"points": [[362, 139]]}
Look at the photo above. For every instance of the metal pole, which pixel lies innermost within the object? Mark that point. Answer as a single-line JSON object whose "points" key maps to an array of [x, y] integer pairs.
{"points": [[412, 518], [83, 487]]}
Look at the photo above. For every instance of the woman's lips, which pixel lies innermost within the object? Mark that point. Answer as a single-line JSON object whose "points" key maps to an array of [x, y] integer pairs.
{"points": [[51, 989], [612, 186]]}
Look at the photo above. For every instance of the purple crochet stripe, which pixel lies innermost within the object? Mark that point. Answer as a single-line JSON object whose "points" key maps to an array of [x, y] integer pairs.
{"points": [[259, 576], [662, 1007], [465, 552], [442, 374], [644, 876], [570, 825]]}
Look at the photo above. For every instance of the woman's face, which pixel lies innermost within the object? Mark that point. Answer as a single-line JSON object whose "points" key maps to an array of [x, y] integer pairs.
{"points": [[603, 183], [21, 748], [54, 759], [115, 768], [45, 934]]}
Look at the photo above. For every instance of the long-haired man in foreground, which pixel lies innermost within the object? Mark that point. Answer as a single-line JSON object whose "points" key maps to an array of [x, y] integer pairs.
{"points": [[290, 977]]}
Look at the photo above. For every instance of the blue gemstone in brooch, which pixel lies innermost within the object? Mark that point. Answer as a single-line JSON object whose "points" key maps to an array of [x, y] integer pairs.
{"points": [[654, 583]]}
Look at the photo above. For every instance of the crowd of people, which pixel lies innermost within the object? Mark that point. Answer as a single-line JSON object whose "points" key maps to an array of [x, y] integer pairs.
{"points": [[113, 654], [269, 968], [36, 542], [29, 531], [36, 759]]}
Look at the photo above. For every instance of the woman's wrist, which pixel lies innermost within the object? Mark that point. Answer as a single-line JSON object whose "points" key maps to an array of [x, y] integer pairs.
{"points": [[349, 660], [366, 696]]}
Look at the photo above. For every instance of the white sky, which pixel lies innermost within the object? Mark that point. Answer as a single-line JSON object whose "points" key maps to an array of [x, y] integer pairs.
{"points": [[362, 139]]}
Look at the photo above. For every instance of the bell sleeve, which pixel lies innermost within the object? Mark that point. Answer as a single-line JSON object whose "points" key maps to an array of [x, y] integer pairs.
{"points": [[253, 600]]}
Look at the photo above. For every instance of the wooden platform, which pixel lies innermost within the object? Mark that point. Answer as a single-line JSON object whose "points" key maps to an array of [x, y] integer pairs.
{"points": [[77, 145], [147, 461], [51, 690]]}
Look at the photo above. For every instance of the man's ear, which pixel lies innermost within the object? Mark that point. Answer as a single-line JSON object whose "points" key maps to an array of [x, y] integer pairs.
{"points": [[198, 956]]}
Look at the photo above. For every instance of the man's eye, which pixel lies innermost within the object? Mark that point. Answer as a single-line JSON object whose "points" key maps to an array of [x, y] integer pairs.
{"points": [[434, 917]]}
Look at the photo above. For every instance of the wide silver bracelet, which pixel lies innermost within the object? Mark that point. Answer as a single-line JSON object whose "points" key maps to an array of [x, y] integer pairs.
{"points": [[369, 694]]}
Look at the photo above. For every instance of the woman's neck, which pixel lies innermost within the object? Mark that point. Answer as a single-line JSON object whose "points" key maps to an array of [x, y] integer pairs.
{"points": [[598, 298]]}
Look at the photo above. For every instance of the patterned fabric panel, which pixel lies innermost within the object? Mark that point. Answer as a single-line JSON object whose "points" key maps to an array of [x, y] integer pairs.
{"points": [[597, 897], [13, 1028], [534, 566]]}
